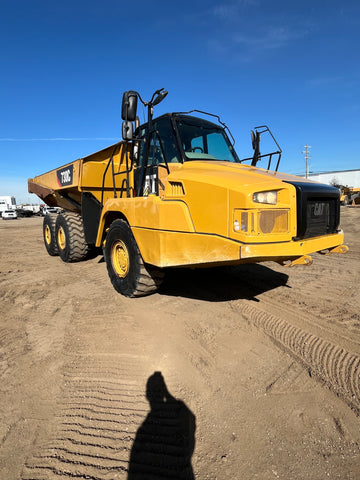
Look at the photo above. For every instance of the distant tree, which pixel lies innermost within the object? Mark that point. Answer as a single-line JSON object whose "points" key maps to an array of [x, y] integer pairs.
{"points": [[335, 182]]}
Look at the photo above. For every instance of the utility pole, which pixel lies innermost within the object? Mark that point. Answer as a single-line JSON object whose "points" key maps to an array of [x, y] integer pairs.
{"points": [[307, 158]]}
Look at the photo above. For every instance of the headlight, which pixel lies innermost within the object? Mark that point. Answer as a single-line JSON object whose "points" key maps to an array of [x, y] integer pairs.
{"points": [[265, 197]]}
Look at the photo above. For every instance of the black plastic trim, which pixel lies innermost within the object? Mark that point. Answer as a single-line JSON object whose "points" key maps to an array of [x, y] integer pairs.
{"points": [[307, 192], [90, 212]]}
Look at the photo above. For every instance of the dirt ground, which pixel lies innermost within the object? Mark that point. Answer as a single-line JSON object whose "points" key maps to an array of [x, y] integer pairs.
{"points": [[234, 373]]}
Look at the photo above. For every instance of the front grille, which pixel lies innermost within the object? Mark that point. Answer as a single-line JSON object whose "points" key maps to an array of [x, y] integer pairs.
{"points": [[318, 209], [321, 217]]}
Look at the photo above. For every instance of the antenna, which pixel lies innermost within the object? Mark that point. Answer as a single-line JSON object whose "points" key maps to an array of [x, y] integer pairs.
{"points": [[307, 158]]}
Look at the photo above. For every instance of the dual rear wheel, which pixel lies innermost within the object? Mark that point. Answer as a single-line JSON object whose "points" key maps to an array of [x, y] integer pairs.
{"points": [[49, 234], [64, 236]]}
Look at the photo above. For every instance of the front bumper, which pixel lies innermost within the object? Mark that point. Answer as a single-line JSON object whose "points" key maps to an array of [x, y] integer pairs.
{"points": [[288, 250], [171, 249]]}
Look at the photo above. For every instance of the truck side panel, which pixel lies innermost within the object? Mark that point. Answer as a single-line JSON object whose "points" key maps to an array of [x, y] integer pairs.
{"points": [[95, 166], [63, 186]]}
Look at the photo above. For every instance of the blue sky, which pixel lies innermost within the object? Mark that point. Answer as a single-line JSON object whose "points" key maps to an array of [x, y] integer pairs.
{"points": [[64, 66]]}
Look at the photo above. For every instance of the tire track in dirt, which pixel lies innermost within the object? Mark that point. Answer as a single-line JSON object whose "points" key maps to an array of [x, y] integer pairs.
{"points": [[335, 305], [344, 313], [307, 318], [102, 405], [101, 401], [103, 412], [332, 364], [12, 347]]}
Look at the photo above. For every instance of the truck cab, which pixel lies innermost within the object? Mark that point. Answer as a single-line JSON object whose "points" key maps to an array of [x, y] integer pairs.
{"points": [[176, 139]]}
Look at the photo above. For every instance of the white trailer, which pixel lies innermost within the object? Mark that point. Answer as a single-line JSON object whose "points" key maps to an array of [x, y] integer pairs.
{"points": [[7, 203]]}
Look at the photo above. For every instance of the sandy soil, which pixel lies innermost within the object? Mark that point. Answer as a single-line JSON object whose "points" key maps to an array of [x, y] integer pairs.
{"points": [[257, 369]]}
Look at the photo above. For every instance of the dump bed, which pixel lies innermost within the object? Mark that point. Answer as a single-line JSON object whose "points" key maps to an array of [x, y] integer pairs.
{"points": [[63, 186]]}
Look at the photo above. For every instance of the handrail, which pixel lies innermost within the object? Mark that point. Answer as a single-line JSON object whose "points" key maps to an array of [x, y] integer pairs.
{"points": [[270, 155], [114, 174], [111, 160], [145, 165]]}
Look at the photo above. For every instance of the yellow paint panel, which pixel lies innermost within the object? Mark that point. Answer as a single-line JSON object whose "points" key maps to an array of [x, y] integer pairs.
{"points": [[150, 213], [88, 174], [50, 179], [166, 249], [291, 249], [95, 166], [163, 174]]}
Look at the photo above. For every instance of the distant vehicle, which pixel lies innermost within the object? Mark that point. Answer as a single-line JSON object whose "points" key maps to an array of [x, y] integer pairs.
{"points": [[7, 203], [24, 212], [9, 215], [35, 209], [348, 195], [47, 210]]}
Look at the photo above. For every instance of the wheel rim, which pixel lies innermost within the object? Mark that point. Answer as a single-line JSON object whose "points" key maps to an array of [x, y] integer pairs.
{"points": [[120, 258], [47, 235], [61, 238]]}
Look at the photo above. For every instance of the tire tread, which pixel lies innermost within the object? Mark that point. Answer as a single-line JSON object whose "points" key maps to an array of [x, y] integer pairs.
{"points": [[78, 249], [147, 278]]}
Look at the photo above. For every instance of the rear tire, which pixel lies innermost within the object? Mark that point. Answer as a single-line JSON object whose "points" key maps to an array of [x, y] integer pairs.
{"points": [[128, 273], [70, 237], [49, 234]]}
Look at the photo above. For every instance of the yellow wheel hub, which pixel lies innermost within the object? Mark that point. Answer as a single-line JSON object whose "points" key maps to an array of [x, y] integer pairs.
{"points": [[47, 235], [120, 258], [61, 238]]}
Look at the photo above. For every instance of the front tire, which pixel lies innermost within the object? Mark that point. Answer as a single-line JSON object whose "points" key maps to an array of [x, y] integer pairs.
{"points": [[70, 237], [49, 234], [127, 271]]}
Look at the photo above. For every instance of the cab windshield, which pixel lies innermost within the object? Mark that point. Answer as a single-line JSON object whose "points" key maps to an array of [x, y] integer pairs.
{"points": [[202, 140]]}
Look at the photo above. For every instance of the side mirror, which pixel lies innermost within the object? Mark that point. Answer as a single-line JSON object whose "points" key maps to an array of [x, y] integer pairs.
{"points": [[127, 130], [129, 106], [161, 95]]}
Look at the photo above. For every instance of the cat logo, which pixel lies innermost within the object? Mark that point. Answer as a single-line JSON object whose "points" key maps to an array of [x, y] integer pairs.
{"points": [[319, 209]]}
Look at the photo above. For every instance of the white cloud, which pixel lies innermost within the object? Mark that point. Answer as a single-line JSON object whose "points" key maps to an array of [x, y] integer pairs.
{"points": [[269, 38], [335, 81], [246, 28], [230, 10]]}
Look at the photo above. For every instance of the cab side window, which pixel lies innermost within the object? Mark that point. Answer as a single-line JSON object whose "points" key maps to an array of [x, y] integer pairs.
{"points": [[163, 136], [197, 144], [155, 154]]}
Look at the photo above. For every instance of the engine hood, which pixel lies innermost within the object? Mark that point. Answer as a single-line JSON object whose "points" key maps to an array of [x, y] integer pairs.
{"points": [[233, 176]]}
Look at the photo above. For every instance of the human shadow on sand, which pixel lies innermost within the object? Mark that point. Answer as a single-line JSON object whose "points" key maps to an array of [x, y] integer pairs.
{"points": [[221, 284], [165, 442]]}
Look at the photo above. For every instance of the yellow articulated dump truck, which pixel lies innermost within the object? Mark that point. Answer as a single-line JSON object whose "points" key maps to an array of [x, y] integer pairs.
{"points": [[175, 193]]}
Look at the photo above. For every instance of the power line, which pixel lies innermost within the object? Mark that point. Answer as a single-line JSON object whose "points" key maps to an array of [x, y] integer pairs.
{"points": [[307, 158]]}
